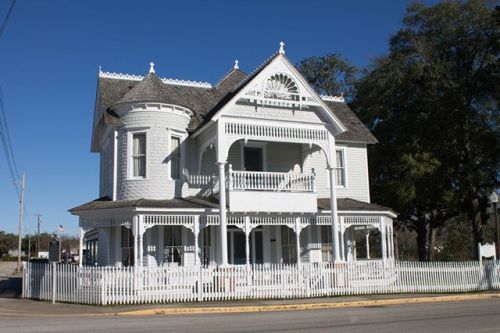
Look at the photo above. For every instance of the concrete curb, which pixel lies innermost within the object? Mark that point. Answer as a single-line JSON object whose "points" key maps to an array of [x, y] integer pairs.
{"points": [[303, 306]]}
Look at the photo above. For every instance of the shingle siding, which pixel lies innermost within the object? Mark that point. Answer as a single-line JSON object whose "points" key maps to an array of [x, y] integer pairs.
{"points": [[157, 184]]}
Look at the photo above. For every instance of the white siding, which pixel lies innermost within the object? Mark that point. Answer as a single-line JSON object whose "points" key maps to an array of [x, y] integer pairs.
{"points": [[356, 172]]}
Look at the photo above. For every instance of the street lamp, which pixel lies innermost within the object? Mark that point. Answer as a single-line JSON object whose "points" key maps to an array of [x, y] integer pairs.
{"points": [[494, 201]]}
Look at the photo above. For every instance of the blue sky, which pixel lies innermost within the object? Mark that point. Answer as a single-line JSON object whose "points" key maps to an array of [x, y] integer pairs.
{"points": [[50, 52]]}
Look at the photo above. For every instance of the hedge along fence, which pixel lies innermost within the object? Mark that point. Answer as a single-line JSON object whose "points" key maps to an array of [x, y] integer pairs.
{"points": [[133, 285]]}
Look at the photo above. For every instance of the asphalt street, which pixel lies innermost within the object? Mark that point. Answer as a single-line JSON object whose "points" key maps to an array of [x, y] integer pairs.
{"points": [[463, 316]]}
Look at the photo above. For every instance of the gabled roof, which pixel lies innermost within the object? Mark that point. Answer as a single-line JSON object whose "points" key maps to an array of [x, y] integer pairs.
{"points": [[229, 81], [356, 130], [203, 99]]}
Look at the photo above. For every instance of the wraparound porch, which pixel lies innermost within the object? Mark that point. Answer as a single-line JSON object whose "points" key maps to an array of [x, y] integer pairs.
{"points": [[188, 239]]}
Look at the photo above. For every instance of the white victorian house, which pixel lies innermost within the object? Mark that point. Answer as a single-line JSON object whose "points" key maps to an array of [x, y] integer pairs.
{"points": [[257, 168]]}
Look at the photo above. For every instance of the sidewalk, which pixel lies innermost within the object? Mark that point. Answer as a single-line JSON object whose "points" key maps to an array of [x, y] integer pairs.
{"points": [[13, 306], [22, 307]]}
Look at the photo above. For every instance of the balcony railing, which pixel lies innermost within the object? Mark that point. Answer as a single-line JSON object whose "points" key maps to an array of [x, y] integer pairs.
{"points": [[271, 181]]}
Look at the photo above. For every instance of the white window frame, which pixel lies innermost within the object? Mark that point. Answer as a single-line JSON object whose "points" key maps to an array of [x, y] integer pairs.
{"points": [[182, 137], [262, 145], [130, 162], [344, 155]]}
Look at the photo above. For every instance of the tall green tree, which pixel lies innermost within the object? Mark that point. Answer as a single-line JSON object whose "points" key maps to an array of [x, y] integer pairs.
{"points": [[433, 104], [331, 74]]}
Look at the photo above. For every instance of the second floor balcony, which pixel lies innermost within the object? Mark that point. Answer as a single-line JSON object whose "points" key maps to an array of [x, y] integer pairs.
{"points": [[262, 191], [271, 191]]}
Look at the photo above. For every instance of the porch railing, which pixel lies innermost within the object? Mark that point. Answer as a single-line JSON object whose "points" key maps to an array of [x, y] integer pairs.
{"points": [[271, 181]]}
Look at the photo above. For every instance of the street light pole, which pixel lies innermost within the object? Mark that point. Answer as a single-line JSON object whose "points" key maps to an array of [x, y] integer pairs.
{"points": [[38, 235], [494, 202]]}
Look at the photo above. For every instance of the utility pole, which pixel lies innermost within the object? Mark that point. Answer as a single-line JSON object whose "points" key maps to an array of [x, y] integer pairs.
{"points": [[21, 212], [38, 235], [29, 244]]}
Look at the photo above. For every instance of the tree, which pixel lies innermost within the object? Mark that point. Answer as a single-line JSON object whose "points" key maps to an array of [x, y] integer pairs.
{"points": [[7, 242], [331, 74], [433, 104]]}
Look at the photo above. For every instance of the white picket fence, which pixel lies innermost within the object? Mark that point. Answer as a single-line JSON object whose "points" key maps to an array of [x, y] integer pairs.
{"points": [[133, 285]]}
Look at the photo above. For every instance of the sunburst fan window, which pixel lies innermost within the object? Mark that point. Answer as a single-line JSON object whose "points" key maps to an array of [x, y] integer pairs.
{"points": [[281, 86]]}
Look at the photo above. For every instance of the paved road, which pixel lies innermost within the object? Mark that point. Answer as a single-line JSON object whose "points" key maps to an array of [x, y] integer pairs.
{"points": [[466, 316]]}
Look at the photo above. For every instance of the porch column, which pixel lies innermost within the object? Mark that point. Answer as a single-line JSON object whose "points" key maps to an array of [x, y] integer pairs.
{"points": [[135, 233], [342, 242], [196, 230], [222, 213], [247, 240], [80, 248], [383, 239], [333, 209], [141, 240], [367, 240], [297, 234]]}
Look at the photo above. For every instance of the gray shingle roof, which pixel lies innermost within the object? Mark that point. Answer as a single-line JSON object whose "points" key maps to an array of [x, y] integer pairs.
{"points": [[193, 202], [107, 203], [356, 130], [351, 204], [205, 102]]}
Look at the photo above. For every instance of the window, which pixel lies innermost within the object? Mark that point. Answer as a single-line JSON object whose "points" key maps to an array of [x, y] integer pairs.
{"points": [[127, 245], [139, 155], [340, 168], [175, 157]]}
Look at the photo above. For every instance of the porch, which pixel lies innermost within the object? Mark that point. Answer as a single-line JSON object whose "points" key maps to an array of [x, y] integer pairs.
{"points": [[156, 240]]}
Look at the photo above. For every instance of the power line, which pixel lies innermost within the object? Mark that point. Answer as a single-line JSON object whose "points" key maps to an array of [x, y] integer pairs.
{"points": [[7, 134], [6, 19], [7, 147]]}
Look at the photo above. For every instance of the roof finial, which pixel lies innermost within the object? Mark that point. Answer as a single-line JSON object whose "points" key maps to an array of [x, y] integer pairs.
{"points": [[100, 69], [282, 48], [151, 68], [236, 66]]}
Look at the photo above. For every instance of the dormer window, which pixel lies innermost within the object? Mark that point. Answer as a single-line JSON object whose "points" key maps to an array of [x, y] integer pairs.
{"points": [[139, 155]]}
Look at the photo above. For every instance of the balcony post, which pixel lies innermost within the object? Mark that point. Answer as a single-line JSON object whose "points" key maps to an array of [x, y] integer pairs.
{"points": [[222, 213], [230, 175]]}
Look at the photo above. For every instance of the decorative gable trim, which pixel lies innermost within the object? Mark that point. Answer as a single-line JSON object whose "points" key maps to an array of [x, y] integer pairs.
{"points": [[178, 82], [254, 91]]}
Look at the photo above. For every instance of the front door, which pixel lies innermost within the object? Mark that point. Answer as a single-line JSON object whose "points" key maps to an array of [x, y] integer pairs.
{"points": [[253, 159], [236, 246]]}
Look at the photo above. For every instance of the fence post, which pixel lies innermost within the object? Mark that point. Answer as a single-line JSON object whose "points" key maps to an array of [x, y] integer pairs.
{"points": [[23, 283], [103, 285], [54, 282], [200, 284]]}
